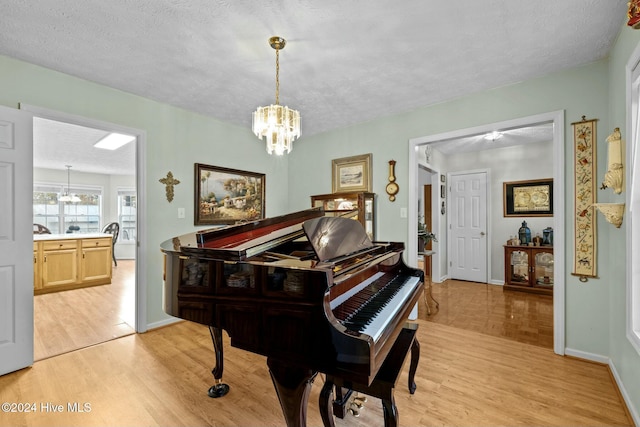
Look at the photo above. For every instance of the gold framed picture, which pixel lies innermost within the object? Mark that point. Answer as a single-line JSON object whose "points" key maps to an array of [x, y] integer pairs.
{"points": [[351, 174], [528, 198], [227, 196]]}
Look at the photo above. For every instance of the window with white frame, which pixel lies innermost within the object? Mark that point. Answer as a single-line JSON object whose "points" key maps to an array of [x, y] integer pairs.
{"points": [[127, 214], [67, 217], [633, 199]]}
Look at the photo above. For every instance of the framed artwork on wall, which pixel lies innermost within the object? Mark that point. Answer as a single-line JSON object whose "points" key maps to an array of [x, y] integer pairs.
{"points": [[528, 198], [227, 196], [351, 174]]}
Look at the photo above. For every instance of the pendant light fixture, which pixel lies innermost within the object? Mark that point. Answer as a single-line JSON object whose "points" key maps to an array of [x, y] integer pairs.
{"points": [[278, 125], [68, 197]]}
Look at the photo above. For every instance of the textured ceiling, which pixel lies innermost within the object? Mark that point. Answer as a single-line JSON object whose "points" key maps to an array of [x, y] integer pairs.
{"points": [[346, 62]]}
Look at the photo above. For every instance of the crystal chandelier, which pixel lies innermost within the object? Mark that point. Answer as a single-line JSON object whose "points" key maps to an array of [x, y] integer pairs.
{"points": [[279, 125], [68, 197]]}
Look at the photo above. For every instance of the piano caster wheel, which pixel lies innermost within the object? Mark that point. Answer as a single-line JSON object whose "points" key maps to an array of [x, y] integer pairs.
{"points": [[354, 412], [218, 390]]}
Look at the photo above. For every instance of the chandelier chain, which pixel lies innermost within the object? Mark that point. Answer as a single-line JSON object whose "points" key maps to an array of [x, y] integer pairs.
{"points": [[277, 76]]}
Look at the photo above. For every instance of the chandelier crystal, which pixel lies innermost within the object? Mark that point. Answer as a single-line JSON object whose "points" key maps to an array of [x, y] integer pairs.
{"points": [[278, 125]]}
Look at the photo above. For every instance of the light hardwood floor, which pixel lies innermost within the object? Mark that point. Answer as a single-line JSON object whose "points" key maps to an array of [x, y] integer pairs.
{"points": [[467, 376], [160, 378], [70, 320], [487, 309]]}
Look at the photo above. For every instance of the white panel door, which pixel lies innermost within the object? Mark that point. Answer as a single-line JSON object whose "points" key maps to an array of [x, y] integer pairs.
{"points": [[16, 240], [468, 227]]}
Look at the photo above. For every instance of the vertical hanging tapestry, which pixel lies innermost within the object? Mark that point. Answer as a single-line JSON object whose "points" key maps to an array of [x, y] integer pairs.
{"points": [[584, 137]]}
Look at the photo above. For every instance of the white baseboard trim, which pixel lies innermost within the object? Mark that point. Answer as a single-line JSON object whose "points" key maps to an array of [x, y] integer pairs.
{"points": [[587, 356], [496, 282], [164, 322], [633, 411]]}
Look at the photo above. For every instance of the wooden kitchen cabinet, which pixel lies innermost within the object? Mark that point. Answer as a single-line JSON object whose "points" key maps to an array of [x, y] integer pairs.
{"points": [[64, 262], [95, 262], [529, 268], [59, 264], [37, 269]]}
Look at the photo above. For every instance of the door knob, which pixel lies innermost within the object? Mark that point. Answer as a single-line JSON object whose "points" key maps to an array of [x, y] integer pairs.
{"points": [[482, 233]]}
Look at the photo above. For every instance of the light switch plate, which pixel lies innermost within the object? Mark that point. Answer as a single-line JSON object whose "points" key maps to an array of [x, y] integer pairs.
{"points": [[180, 213]]}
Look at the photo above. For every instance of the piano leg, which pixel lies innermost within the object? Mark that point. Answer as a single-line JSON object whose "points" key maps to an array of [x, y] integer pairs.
{"points": [[293, 386], [219, 389], [415, 357], [326, 407], [389, 409]]}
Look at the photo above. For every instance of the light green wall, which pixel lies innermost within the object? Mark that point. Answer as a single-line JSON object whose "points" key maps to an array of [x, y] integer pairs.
{"points": [[176, 139], [625, 358]]}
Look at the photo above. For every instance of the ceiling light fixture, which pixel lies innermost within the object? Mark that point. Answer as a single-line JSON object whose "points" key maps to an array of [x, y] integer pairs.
{"points": [[492, 136], [113, 141], [68, 197], [278, 125]]}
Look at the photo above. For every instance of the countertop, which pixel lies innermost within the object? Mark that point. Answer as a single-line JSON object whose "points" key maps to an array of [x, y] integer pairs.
{"points": [[69, 236]]}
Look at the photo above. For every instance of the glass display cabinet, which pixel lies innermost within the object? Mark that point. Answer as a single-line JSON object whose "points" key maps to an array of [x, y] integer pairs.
{"points": [[340, 203], [529, 268]]}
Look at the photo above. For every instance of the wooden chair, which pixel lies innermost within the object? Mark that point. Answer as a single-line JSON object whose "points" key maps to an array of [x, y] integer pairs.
{"points": [[113, 228], [40, 229]]}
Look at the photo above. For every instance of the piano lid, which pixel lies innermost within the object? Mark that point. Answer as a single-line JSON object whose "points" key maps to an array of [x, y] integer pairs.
{"points": [[334, 237], [241, 241]]}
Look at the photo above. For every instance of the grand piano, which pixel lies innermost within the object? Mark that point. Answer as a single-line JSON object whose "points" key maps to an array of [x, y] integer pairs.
{"points": [[310, 292]]}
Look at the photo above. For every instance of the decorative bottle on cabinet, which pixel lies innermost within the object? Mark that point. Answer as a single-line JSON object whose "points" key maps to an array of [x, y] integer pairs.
{"points": [[524, 234]]}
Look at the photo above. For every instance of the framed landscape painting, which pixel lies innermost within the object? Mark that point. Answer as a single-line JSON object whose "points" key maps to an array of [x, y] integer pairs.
{"points": [[351, 174], [227, 196]]}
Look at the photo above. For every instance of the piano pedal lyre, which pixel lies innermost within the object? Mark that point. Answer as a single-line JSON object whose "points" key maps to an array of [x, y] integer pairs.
{"points": [[356, 404]]}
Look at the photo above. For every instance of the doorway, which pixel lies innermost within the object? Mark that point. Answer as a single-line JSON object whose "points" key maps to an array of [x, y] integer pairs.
{"points": [[556, 119], [68, 320], [469, 253]]}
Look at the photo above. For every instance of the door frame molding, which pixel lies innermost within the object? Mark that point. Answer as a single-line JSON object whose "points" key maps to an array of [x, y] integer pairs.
{"points": [[141, 244], [558, 119]]}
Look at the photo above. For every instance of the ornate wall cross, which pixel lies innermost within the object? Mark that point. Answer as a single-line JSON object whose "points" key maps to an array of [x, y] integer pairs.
{"points": [[169, 182]]}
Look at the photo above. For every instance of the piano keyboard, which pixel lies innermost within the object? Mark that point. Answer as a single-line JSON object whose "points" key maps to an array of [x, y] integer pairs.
{"points": [[375, 303]]}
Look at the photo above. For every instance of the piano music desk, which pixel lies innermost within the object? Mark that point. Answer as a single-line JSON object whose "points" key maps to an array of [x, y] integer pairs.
{"points": [[425, 264], [383, 384]]}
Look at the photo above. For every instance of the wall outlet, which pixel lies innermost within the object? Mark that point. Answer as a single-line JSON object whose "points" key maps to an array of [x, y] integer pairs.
{"points": [[180, 213]]}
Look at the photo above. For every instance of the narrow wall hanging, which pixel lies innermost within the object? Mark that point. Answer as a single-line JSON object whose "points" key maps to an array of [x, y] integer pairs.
{"points": [[169, 182], [584, 135]]}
